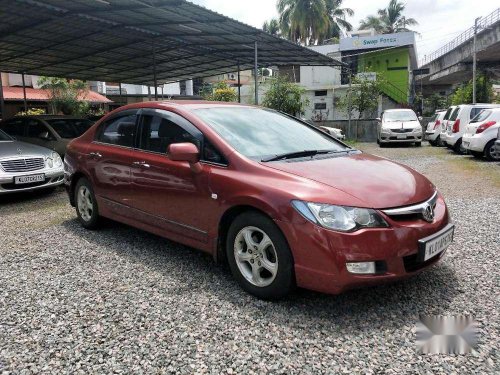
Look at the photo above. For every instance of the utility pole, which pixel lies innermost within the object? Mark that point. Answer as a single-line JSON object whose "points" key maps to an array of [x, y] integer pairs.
{"points": [[474, 62], [349, 103], [256, 73]]}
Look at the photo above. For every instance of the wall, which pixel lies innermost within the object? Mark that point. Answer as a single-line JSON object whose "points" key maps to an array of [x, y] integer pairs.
{"points": [[393, 66], [362, 130]]}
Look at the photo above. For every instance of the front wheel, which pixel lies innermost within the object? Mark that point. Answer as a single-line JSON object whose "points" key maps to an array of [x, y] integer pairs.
{"points": [[418, 144], [86, 204], [259, 256]]}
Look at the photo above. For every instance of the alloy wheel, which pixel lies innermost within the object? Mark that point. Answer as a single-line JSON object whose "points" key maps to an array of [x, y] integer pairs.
{"points": [[256, 256], [495, 155], [85, 203]]}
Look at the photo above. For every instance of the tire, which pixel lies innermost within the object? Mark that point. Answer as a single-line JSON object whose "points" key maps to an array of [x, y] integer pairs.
{"points": [[439, 142], [458, 147], [246, 236], [418, 144], [432, 143], [478, 155], [86, 204], [382, 145], [489, 153]]}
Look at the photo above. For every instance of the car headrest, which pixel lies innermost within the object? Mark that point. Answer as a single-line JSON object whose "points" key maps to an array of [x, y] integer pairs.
{"points": [[126, 128]]}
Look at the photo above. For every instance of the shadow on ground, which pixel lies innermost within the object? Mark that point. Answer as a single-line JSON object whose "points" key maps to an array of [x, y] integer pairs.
{"points": [[392, 304]]}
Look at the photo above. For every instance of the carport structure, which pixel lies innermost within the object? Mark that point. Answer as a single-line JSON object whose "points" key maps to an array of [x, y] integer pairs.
{"points": [[149, 42]]}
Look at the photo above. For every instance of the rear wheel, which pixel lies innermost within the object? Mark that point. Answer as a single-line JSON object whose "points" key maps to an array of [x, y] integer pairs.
{"points": [[259, 256], [418, 144], [490, 151], [432, 143], [458, 148], [86, 204]]}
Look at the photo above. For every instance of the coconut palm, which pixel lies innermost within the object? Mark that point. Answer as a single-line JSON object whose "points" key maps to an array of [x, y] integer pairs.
{"points": [[304, 21], [272, 27], [337, 18], [389, 20]]}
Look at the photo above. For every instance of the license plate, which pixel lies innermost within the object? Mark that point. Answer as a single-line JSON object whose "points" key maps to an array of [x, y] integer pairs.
{"points": [[433, 245], [401, 136], [29, 179]]}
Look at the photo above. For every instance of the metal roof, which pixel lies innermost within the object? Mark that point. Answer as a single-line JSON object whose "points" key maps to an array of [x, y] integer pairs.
{"points": [[118, 40]]}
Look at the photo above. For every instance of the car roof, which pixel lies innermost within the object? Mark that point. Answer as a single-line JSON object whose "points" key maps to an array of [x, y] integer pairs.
{"points": [[185, 104], [399, 110], [52, 117]]}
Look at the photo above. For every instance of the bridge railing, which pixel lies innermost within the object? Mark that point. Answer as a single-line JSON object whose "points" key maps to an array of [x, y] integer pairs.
{"points": [[462, 38]]}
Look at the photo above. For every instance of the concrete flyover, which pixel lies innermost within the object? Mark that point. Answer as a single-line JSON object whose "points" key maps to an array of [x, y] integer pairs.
{"points": [[452, 63]]}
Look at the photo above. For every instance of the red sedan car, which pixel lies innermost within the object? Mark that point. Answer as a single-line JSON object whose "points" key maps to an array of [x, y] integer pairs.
{"points": [[284, 203]]}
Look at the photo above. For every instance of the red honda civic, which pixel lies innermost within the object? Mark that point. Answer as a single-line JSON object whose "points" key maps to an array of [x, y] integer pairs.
{"points": [[284, 203]]}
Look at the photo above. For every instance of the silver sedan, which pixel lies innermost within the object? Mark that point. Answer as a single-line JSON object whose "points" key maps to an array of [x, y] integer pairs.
{"points": [[26, 167]]}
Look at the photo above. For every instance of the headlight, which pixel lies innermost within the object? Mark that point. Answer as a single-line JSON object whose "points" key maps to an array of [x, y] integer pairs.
{"points": [[340, 218], [54, 160]]}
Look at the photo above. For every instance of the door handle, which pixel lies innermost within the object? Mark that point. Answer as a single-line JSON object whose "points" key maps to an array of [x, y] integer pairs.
{"points": [[95, 155], [141, 164]]}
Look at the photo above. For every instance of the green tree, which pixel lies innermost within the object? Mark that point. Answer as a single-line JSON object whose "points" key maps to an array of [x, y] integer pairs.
{"points": [[66, 96], [221, 92], [484, 91], [309, 22], [389, 20], [272, 27], [285, 96], [363, 96]]}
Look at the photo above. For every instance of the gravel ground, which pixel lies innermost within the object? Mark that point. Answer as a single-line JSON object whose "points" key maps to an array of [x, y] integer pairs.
{"points": [[123, 301]]}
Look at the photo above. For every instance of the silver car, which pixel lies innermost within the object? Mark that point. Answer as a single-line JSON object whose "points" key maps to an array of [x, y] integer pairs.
{"points": [[399, 125], [26, 167]]}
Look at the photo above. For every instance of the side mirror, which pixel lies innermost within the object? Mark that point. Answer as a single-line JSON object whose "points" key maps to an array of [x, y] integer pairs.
{"points": [[378, 119], [185, 152]]}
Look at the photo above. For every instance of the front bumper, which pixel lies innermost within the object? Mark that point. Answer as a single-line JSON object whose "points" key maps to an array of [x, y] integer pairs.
{"points": [[321, 255], [53, 177], [390, 137]]}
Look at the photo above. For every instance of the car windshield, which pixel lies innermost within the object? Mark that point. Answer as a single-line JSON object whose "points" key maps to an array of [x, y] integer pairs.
{"points": [[400, 116], [481, 116], [70, 128], [4, 136], [259, 133]]}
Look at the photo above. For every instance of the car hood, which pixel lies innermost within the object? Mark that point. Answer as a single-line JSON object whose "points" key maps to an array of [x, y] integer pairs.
{"points": [[378, 182], [16, 148], [401, 124]]}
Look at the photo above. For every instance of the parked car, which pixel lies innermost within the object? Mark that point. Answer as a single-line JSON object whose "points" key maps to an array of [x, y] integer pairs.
{"points": [[399, 125], [54, 132], [337, 133], [27, 167], [496, 148], [444, 125], [459, 119], [433, 132], [285, 203], [481, 133]]}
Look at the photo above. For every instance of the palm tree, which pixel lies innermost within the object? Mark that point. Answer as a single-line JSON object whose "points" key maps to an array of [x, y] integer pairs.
{"points": [[337, 17], [389, 20], [312, 21], [272, 27], [372, 22]]}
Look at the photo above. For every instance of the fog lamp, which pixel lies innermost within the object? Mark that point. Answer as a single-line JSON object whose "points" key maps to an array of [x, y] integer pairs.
{"points": [[361, 268]]}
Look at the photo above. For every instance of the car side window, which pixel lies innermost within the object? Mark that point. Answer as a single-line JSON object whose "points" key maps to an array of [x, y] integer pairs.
{"points": [[13, 127], [475, 111], [158, 133], [36, 129], [118, 131]]}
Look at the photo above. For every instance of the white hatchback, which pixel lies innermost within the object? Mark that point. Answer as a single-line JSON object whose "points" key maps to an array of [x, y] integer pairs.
{"points": [[433, 132], [481, 133]]}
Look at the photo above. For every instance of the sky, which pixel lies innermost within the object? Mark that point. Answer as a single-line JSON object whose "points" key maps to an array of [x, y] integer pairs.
{"points": [[440, 21]]}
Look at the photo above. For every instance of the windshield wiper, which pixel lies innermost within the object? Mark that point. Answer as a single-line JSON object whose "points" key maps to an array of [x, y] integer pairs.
{"points": [[301, 154]]}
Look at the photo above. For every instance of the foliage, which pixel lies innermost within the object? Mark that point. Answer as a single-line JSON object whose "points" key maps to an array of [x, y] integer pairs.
{"points": [[363, 96], [272, 27], [434, 102], [389, 20], [65, 95], [222, 92], [32, 112], [484, 92], [285, 96], [310, 22]]}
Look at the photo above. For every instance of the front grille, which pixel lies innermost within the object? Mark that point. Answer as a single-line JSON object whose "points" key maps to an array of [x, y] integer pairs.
{"points": [[400, 130], [23, 165]]}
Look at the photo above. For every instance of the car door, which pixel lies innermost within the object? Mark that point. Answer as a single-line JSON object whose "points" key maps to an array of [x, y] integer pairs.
{"points": [[38, 133], [109, 158], [168, 194]]}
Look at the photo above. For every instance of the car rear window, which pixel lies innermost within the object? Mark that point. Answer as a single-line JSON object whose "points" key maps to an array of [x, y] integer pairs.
{"points": [[475, 111], [483, 115], [454, 114], [448, 112]]}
